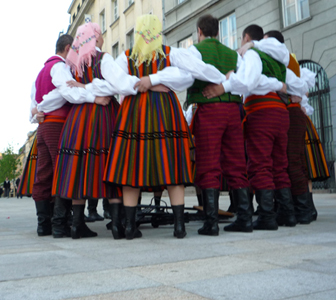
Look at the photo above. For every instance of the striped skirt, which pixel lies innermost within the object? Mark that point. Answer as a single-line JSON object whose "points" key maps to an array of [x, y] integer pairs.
{"points": [[315, 158], [151, 144], [83, 151], [29, 172]]}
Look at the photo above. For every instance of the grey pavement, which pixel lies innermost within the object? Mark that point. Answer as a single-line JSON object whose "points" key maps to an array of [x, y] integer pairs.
{"points": [[292, 263]]}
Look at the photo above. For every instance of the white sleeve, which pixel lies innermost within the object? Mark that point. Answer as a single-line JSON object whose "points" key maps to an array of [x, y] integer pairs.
{"points": [[193, 50], [266, 85], [183, 59], [60, 74], [308, 76], [51, 101], [33, 103], [273, 48], [304, 103], [172, 77], [189, 114], [295, 85], [248, 75], [120, 81]]}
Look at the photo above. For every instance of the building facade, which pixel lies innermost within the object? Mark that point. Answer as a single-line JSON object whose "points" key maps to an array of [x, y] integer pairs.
{"points": [[309, 30], [116, 18]]}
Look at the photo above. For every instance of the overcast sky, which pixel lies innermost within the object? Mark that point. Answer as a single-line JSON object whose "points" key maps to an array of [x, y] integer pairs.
{"points": [[29, 33]]}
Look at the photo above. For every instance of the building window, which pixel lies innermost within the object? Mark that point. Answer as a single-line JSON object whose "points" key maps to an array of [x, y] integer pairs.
{"points": [[115, 50], [129, 2], [130, 39], [115, 9], [294, 11], [102, 21], [180, 1], [78, 8], [228, 31], [186, 43], [73, 17]]}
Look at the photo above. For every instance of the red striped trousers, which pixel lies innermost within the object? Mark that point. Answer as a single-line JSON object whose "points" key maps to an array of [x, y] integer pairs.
{"points": [[48, 134], [219, 146], [266, 147]]}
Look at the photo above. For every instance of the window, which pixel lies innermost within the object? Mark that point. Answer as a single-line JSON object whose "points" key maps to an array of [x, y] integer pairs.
{"points": [[78, 8], [186, 43], [130, 39], [115, 10], [180, 1], [228, 31], [73, 17], [294, 11], [102, 21], [129, 2], [115, 50]]}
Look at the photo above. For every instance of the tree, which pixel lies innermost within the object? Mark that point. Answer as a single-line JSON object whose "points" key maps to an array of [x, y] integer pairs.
{"points": [[9, 164]]}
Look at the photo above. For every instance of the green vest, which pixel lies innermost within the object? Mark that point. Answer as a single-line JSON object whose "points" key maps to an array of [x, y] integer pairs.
{"points": [[271, 67], [224, 59]]}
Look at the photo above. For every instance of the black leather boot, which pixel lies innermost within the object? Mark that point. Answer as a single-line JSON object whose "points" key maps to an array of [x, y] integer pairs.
{"points": [[92, 208], [312, 207], [118, 230], [243, 223], [267, 218], [106, 208], [157, 203], [233, 204], [210, 208], [43, 212], [131, 231], [285, 211], [303, 210], [79, 228], [59, 221], [179, 228]]}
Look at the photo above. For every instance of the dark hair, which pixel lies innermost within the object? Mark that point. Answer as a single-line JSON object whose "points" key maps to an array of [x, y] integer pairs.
{"points": [[209, 25], [255, 32], [276, 34], [62, 42]]}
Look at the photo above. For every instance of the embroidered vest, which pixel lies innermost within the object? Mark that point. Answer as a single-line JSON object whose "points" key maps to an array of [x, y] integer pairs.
{"points": [[224, 59], [44, 85]]}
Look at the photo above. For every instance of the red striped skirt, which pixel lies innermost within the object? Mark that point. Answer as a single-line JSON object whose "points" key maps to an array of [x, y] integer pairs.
{"points": [[29, 172], [83, 152], [315, 158], [151, 144]]}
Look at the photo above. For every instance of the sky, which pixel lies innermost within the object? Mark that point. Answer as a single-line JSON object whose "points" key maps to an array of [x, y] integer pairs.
{"points": [[29, 33]]}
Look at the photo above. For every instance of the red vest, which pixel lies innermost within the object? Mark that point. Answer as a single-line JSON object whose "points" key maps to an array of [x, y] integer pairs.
{"points": [[44, 85]]}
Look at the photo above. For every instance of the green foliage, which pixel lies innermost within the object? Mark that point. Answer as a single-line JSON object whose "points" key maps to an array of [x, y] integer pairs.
{"points": [[9, 164]]}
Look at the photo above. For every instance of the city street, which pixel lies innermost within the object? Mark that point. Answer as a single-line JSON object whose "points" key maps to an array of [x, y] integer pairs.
{"points": [[292, 263]]}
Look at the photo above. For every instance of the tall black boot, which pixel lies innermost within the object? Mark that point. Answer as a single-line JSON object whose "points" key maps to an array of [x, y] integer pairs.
{"points": [[243, 222], [43, 217], [118, 230], [267, 218], [92, 208], [303, 210], [157, 203], [285, 210], [106, 208], [131, 231], [233, 203], [179, 228], [59, 221], [312, 207], [79, 228], [210, 208]]}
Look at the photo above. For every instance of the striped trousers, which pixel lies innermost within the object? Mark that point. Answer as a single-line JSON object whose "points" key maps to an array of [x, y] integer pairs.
{"points": [[219, 146], [297, 169], [266, 147], [48, 134]]}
